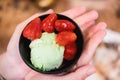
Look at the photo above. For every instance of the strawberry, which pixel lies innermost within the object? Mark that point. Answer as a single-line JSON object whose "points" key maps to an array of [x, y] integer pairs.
{"points": [[33, 29], [49, 22], [70, 51], [65, 37], [64, 25]]}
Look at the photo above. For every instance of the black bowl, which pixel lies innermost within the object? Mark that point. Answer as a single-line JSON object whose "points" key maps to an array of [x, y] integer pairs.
{"points": [[25, 50]]}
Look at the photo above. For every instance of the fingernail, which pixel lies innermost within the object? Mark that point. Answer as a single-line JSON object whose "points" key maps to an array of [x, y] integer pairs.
{"points": [[50, 10], [91, 70], [102, 25], [95, 13]]}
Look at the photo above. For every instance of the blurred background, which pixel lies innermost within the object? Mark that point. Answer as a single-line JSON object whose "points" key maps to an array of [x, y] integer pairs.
{"points": [[107, 57]]}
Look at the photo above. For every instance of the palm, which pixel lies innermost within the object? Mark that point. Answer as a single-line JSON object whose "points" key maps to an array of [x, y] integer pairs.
{"points": [[90, 32]]}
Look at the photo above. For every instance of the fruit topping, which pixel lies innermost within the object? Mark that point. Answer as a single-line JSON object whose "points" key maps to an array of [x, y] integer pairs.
{"points": [[70, 51], [66, 37], [48, 24], [64, 25], [33, 29]]}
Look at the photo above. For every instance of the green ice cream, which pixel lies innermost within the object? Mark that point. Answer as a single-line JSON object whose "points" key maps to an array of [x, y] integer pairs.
{"points": [[45, 53]]}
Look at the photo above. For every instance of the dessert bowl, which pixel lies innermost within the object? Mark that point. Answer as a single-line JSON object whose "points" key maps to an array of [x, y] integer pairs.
{"points": [[66, 64]]}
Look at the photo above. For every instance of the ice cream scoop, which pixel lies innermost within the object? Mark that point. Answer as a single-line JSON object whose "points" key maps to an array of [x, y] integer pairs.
{"points": [[45, 53]]}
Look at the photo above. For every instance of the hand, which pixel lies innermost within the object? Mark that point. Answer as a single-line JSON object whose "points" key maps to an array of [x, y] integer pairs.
{"points": [[93, 34]]}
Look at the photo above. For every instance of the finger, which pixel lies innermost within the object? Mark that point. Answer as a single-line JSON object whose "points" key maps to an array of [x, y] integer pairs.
{"points": [[16, 35], [75, 12], [80, 74], [90, 48], [89, 16], [87, 25], [92, 30], [37, 15]]}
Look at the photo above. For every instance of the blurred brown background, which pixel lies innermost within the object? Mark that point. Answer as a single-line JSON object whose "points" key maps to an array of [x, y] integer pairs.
{"points": [[106, 60]]}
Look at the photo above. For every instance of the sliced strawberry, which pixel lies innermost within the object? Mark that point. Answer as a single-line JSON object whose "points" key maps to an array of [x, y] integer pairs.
{"points": [[48, 24], [65, 37], [64, 25], [70, 51], [33, 29]]}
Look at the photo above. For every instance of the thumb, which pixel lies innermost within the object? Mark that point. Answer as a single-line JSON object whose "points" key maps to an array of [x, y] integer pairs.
{"points": [[16, 35], [81, 73]]}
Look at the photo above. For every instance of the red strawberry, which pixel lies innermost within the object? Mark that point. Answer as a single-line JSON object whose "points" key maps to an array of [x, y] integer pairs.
{"points": [[65, 37], [49, 22], [70, 51], [64, 25], [33, 29]]}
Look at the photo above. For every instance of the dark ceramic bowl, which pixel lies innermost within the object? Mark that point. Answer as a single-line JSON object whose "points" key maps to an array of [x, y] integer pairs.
{"points": [[66, 65]]}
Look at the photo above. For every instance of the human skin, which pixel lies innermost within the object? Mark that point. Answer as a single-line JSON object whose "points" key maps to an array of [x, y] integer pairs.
{"points": [[12, 66]]}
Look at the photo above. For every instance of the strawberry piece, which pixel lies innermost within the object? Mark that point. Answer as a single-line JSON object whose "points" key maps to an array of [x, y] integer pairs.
{"points": [[33, 29], [65, 37], [64, 25], [70, 51], [49, 22]]}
